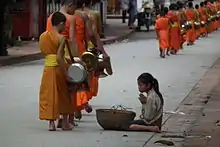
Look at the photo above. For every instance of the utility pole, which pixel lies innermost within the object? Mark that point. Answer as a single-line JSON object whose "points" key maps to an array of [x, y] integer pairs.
{"points": [[3, 44], [102, 35]]}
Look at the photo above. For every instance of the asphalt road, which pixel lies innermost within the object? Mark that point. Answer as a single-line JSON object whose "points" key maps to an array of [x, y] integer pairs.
{"points": [[19, 87]]}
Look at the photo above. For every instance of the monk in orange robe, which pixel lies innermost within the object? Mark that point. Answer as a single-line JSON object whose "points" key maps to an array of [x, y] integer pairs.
{"points": [[198, 16], [203, 19], [174, 29], [182, 21], [217, 5], [67, 9], [190, 15], [209, 13], [54, 91], [162, 31], [215, 13], [218, 10], [92, 17]]}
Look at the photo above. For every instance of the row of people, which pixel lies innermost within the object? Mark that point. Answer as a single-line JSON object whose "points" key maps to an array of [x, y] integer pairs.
{"points": [[176, 25], [69, 33]]}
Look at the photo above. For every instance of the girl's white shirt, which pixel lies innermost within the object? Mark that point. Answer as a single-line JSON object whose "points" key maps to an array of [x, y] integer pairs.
{"points": [[153, 109]]}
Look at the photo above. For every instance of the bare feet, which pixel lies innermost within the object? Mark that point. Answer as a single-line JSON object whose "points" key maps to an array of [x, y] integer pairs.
{"points": [[67, 126], [52, 126], [60, 122], [78, 115], [88, 109]]}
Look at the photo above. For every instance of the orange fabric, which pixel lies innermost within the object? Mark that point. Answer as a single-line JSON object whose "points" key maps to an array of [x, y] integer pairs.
{"points": [[174, 31], [80, 33], [182, 20], [218, 9], [202, 18], [54, 94], [162, 26], [191, 34]]}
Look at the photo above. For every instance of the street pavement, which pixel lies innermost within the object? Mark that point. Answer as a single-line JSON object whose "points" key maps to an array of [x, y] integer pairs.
{"points": [[177, 75]]}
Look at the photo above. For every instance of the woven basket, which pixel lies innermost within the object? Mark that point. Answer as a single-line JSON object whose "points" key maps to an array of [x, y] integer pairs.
{"points": [[113, 119]]}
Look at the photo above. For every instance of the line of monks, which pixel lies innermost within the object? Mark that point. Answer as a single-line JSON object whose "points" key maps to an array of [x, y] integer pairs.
{"points": [[177, 25], [77, 25]]}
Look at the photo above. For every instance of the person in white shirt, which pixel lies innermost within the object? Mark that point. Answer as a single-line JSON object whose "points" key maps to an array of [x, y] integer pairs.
{"points": [[152, 105]]}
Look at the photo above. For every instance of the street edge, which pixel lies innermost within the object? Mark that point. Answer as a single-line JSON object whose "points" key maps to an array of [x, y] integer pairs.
{"points": [[37, 56]]}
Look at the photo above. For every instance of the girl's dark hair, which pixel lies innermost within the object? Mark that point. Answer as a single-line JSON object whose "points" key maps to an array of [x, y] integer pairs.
{"points": [[147, 78], [197, 6], [58, 18]]}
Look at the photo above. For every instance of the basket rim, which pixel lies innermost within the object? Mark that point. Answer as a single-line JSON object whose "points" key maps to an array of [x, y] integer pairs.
{"points": [[113, 110]]}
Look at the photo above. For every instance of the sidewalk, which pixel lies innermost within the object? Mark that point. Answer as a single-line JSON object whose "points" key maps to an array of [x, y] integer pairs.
{"points": [[114, 31], [199, 123]]}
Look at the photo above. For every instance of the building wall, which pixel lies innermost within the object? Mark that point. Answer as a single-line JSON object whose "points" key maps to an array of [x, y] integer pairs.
{"points": [[34, 21]]}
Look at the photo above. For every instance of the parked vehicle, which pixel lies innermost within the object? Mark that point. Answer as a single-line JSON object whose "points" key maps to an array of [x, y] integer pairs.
{"points": [[146, 16]]}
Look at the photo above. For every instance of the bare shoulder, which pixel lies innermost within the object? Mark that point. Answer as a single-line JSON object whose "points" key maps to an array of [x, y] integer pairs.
{"points": [[61, 38]]}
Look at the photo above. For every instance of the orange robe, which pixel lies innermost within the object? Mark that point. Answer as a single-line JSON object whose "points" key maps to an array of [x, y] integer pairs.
{"points": [[198, 30], [182, 19], [210, 25], [162, 26], [79, 99], [218, 9], [202, 18], [191, 34], [94, 79], [54, 92], [175, 40]]}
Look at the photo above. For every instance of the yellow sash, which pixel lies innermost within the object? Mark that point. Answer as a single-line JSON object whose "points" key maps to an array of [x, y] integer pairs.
{"points": [[174, 25], [90, 44], [51, 60]]}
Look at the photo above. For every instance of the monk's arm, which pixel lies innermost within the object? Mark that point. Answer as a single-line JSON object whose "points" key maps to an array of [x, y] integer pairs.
{"points": [[72, 31], [90, 32], [60, 54], [98, 40]]}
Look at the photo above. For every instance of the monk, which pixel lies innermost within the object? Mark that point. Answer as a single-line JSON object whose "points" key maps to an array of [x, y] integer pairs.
{"points": [[190, 15], [162, 32], [198, 19], [54, 92], [83, 33], [174, 31], [215, 13], [203, 19], [95, 26], [68, 9], [182, 21], [209, 14], [218, 10]]}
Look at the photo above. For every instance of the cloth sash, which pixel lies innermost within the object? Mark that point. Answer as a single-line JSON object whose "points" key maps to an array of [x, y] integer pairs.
{"points": [[51, 60]]}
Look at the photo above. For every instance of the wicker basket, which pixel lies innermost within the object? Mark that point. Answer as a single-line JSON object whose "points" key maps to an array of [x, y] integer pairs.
{"points": [[113, 119]]}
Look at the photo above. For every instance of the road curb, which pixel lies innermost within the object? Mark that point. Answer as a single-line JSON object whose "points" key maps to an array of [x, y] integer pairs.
{"points": [[37, 56]]}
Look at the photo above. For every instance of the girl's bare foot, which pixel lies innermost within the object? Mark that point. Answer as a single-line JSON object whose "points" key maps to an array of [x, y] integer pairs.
{"points": [[156, 129], [52, 126]]}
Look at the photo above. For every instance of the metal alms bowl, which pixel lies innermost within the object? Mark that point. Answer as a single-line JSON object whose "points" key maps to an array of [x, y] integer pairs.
{"points": [[77, 73], [90, 60]]}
